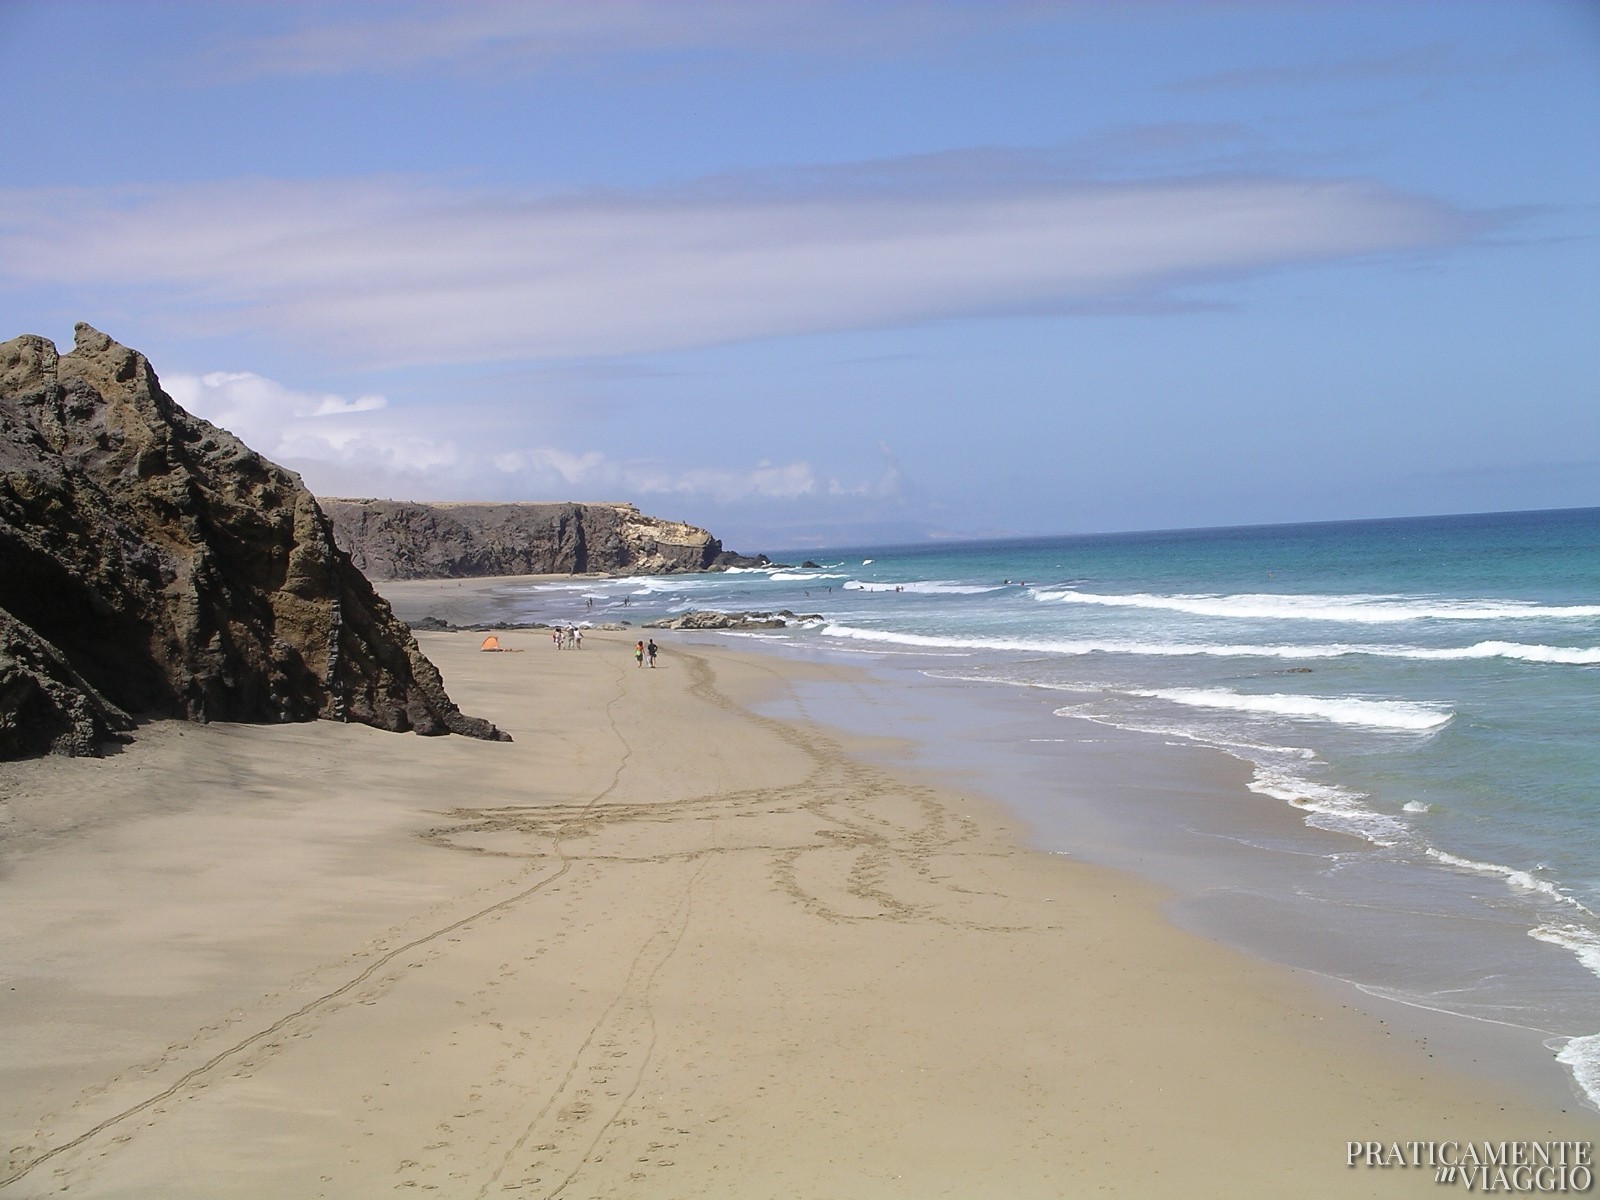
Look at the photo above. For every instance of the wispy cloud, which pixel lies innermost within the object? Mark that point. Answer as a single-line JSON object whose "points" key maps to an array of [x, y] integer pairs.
{"points": [[1419, 62], [535, 34], [359, 445], [399, 271]]}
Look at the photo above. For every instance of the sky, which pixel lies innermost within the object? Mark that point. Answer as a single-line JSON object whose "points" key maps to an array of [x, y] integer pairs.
{"points": [[839, 273]]}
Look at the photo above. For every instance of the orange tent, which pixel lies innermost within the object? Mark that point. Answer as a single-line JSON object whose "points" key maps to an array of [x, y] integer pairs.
{"points": [[490, 643]]}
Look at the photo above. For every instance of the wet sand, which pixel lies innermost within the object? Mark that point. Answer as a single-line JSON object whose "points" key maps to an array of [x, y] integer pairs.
{"points": [[661, 945]]}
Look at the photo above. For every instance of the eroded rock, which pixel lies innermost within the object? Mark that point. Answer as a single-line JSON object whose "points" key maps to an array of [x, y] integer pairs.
{"points": [[177, 572]]}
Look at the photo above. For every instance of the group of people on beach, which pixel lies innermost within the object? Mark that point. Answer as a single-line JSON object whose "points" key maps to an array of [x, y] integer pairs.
{"points": [[571, 638]]}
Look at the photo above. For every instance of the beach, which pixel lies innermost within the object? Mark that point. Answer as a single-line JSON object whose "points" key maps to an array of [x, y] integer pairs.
{"points": [[662, 944]]}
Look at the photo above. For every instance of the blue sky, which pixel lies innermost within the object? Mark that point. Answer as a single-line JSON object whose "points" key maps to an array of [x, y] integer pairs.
{"points": [[823, 273]]}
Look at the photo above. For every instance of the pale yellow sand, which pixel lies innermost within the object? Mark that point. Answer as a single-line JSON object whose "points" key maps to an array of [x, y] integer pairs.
{"points": [[656, 947]]}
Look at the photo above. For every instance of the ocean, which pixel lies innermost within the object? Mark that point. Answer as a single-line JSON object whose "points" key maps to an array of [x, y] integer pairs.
{"points": [[1419, 693]]}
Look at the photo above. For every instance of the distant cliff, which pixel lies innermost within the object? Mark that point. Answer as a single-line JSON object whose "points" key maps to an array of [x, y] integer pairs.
{"points": [[152, 563], [399, 539]]}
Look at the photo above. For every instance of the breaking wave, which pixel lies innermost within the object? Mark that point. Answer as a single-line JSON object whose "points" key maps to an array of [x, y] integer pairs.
{"points": [[927, 587], [1575, 655], [1342, 710], [1358, 609]]}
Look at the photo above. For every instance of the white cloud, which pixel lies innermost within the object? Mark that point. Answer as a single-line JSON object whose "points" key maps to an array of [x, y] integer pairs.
{"points": [[269, 417], [396, 271], [768, 481], [348, 446], [889, 483]]}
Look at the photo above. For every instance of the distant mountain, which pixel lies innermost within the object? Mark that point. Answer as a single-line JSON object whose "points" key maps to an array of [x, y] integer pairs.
{"points": [[401, 539], [152, 563]]}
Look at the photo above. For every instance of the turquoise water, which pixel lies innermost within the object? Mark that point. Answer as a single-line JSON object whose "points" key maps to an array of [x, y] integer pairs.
{"points": [[1425, 688]]}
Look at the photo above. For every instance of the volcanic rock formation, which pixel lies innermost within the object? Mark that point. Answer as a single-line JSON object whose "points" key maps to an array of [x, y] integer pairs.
{"points": [[401, 539], [152, 563]]}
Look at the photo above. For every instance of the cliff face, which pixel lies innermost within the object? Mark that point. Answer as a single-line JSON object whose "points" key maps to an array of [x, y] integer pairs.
{"points": [[394, 539], [153, 563]]}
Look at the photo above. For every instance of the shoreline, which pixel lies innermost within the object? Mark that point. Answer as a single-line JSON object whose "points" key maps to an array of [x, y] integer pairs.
{"points": [[1223, 854], [661, 944], [1242, 867]]}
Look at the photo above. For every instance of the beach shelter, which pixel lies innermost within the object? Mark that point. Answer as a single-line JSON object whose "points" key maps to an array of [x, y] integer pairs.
{"points": [[490, 643]]}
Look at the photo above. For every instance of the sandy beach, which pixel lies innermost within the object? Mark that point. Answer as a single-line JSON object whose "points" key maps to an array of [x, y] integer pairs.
{"points": [[660, 945]]}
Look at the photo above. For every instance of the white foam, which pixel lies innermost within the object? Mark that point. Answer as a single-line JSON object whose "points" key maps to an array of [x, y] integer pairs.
{"points": [[1330, 807], [1326, 806], [1357, 608], [801, 576], [1515, 650], [1584, 943], [1517, 880], [1512, 650], [1581, 1056], [1416, 806], [936, 587], [1342, 710]]}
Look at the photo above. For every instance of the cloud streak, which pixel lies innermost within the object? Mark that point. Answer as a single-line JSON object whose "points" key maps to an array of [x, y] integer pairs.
{"points": [[348, 446], [531, 35], [396, 271]]}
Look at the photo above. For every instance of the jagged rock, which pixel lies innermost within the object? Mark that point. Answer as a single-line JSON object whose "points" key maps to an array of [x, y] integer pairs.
{"points": [[808, 565], [176, 571], [45, 706], [701, 618], [729, 559], [402, 539]]}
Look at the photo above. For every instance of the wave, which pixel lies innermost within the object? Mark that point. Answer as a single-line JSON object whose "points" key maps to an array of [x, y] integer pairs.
{"points": [[1329, 806], [1581, 1056], [1579, 655], [936, 587], [645, 585], [1278, 772], [801, 576], [1355, 608], [1517, 880], [1584, 943], [1514, 650], [1342, 710]]}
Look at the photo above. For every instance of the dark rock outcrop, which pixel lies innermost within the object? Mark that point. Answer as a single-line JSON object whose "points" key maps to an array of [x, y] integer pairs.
{"points": [[704, 618], [164, 568], [45, 706], [403, 539]]}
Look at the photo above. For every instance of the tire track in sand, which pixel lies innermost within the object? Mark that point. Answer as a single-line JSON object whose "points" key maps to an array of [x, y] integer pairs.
{"points": [[325, 999], [570, 1110]]}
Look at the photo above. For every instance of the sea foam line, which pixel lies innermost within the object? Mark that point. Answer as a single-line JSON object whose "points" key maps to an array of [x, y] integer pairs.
{"points": [[1521, 881], [1356, 608], [1523, 652], [1342, 710], [927, 587]]}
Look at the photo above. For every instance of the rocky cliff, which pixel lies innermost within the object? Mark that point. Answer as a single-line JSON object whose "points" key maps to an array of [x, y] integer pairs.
{"points": [[152, 563], [397, 539]]}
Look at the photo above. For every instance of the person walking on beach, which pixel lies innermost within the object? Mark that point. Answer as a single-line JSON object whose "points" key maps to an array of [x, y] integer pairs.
{"points": [[638, 654], [577, 639], [650, 650]]}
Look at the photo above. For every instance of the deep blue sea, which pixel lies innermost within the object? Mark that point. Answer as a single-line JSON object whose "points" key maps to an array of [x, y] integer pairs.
{"points": [[1425, 689]]}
